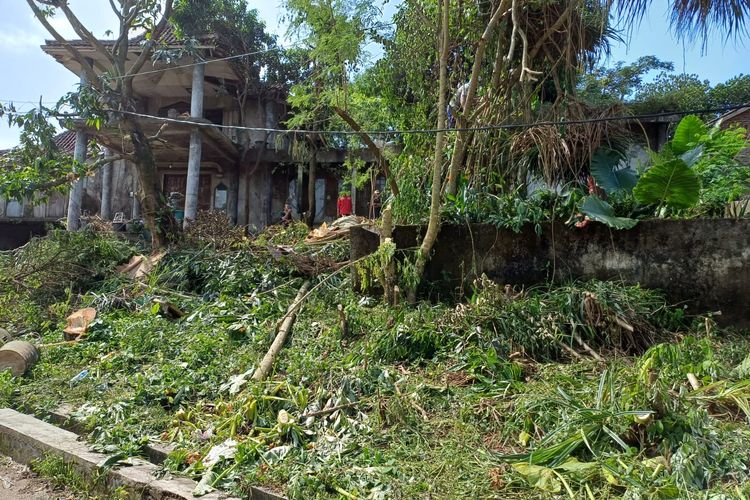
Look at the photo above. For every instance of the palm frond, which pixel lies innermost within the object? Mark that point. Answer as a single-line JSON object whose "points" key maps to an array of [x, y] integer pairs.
{"points": [[690, 18]]}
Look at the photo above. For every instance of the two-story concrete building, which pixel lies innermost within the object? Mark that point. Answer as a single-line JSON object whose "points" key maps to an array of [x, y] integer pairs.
{"points": [[250, 174]]}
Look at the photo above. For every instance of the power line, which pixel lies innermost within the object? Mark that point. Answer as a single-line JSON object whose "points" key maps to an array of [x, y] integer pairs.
{"points": [[18, 101], [190, 65], [480, 128]]}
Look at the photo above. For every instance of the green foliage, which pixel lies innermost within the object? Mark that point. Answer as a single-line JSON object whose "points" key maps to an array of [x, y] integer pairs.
{"points": [[62, 473], [37, 160], [239, 30], [604, 165], [508, 210], [601, 211], [670, 183], [608, 85], [696, 174], [670, 92], [723, 178], [415, 402], [633, 430], [54, 268], [689, 134]]}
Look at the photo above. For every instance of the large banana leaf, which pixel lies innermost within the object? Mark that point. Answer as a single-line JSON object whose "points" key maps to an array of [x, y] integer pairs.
{"points": [[670, 182], [601, 211], [603, 165], [688, 134]]}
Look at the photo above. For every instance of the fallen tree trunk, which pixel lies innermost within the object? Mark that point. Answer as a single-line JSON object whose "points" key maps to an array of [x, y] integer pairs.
{"points": [[261, 373]]}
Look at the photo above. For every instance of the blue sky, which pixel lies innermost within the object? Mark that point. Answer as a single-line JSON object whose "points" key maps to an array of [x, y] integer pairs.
{"points": [[28, 73]]}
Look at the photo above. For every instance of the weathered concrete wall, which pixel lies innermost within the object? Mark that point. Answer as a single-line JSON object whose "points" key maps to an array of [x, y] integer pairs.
{"points": [[703, 263], [15, 234], [124, 178]]}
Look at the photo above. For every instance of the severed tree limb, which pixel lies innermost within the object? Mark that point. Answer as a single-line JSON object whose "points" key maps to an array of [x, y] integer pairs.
{"points": [[587, 347], [374, 149], [264, 369], [694, 383]]}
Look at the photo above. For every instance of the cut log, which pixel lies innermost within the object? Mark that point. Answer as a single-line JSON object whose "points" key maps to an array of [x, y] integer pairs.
{"points": [[261, 373], [18, 356]]}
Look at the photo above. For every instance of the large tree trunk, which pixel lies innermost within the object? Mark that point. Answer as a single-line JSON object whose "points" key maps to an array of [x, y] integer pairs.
{"points": [[433, 227], [312, 174], [154, 208], [75, 197]]}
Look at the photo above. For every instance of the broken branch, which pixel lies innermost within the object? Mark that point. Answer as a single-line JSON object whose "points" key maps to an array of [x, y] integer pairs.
{"points": [[261, 373]]}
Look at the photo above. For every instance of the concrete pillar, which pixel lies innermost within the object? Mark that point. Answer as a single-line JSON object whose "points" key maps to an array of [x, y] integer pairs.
{"points": [[75, 200], [233, 194], [135, 211], [300, 187], [271, 120], [196, 146], [242, 196], [105, 212], [259, 197]]}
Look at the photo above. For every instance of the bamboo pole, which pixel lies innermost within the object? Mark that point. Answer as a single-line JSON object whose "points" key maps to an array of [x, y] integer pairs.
{"points": [[261, 373]]}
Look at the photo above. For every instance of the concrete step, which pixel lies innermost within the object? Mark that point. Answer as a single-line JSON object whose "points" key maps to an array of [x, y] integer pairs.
{"points": [[25, 438]]}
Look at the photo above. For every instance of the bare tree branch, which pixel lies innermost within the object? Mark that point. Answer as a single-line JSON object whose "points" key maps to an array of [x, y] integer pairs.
{"points": [[155, 35], [555, 26], [84, 33], [459, 151], [86, 67], [115, 9]]}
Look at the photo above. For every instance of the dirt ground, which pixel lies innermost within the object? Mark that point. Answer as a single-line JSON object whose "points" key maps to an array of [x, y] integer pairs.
{"points": [[17, 482]]}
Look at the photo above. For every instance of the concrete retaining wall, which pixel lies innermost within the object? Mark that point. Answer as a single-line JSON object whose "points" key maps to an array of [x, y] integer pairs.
{"points": [[703, 263]]}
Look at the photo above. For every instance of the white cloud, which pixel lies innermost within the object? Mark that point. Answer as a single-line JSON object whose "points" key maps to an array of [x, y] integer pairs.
{"points": [[17, 40]]}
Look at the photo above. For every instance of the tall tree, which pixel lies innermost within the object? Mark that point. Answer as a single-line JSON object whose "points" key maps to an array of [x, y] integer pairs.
{"points": [[109, 84], [336, 32]]}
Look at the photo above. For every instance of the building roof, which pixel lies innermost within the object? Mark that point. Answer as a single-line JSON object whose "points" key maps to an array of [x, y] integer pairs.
{"points": [[66, 141], [168, 37], [732, 114]]}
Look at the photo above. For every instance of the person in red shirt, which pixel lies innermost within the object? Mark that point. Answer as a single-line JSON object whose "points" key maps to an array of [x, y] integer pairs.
{"points": [[344, 204]]}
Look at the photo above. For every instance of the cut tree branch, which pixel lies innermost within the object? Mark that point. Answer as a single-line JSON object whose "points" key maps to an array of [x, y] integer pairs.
{"points": [[264, 369], [374, 149]]}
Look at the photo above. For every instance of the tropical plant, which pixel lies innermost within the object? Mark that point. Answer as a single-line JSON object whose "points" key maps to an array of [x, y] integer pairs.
{"points": [[696, 155]]}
